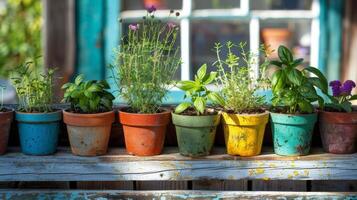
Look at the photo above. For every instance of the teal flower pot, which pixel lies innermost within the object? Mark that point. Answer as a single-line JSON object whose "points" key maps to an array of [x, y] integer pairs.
{"points": [[38, 132], [292, 133]]}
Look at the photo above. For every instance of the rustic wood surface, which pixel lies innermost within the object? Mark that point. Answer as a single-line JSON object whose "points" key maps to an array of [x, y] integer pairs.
{"points": [[119, 166], [168, 195]]}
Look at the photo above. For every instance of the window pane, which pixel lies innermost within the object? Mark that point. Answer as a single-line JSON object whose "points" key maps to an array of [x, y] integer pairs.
{"points": [[160, 4], [294, 34], [206, 33], [177, 75], [215, 4], [280, 4]]}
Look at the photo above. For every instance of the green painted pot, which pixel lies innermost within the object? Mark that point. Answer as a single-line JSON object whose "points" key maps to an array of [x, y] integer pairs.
{"points": [[292, 133], [195, 134]]}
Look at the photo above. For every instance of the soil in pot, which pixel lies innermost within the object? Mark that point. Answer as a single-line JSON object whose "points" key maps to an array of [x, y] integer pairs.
{"points": [[244, 133], [39, 132], [6, 116], [338, 132], [195, 134], [292, 133], [144, 133], [89, 133]]}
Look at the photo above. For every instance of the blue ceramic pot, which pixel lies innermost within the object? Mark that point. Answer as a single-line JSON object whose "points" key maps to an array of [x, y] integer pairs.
{"points": [[38, 132], [292, 133]]}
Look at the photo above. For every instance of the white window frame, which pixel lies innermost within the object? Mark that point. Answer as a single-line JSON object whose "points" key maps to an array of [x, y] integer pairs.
{"points": [[187, 14]]}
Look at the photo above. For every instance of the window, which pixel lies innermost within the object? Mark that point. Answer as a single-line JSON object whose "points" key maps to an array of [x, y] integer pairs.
{"points": [[204, 22]]}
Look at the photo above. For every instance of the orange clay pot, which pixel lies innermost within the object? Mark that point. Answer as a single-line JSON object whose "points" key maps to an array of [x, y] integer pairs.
{"points": [[144, 133], [89, 133]]}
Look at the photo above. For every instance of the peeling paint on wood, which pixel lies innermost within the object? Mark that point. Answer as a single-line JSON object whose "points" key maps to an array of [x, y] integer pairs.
{"points": [[118, 166]]}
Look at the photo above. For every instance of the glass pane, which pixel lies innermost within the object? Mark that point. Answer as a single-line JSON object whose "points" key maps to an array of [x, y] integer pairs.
{"points": [[206, 33], [215, 4], [294, 34], [125, 29], [280, 4], [160, 4]]}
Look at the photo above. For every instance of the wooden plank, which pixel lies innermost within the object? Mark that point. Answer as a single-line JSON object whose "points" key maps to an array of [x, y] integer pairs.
{"points": [[334, 186], [278, 185], [106, 195], [44, 185], [220, 185], [119, 166], [161, 185], [105, 185]]}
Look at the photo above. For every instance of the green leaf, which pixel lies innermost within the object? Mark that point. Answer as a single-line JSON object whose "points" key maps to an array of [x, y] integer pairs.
{"points": [[305, 107], [79, 79], [323, 81], [202, 71], [347, 106], [216, 98], [285, 55], [278, 80], [200, 104], [67, 85], [186, 85], [182, 107], [209, 78], [353, 97], [295, 76], [276, 63], [94, 88]]}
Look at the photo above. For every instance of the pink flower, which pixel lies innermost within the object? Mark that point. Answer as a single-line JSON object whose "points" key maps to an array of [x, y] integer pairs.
{"points": [[134, 27], [171, 25], [151, 9]]}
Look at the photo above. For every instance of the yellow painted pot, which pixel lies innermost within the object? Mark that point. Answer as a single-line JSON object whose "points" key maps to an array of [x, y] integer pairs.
{"points": [[244, 133]]}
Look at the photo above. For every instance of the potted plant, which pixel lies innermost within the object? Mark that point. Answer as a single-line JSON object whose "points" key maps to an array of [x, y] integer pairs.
{"points": [[147, 60], [90, 117], [338, 120], [6, 116], [293, 115], [195, 123], [244, 118], [38, 121]]}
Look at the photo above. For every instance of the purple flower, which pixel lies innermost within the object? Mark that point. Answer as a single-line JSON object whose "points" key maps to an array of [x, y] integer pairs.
{"points": [[347, 87], [134, 27], [151, 9], [336, 87], [171, 25]]}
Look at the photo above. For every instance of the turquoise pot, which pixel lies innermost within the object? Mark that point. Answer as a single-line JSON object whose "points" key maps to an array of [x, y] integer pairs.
{"points": [[38, 132], [292, 133]]}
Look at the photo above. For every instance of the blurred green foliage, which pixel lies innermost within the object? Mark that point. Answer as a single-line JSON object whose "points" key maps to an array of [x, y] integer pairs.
{"points": [[20, 33]]}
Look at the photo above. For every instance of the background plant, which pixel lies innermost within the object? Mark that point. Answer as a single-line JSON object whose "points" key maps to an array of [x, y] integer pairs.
{"points": [[34, 90], [2, 89], [235, 77], [147, 60], [341, 96], [20, 33], [198, 93], [88, 96], [294, 90]]}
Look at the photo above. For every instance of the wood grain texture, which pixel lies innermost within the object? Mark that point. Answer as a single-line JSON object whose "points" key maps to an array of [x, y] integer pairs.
{"points": [[334, 186], [118, 166], [279, 185], [105, 185], [168, 195], [220, 185], [161, 185]]}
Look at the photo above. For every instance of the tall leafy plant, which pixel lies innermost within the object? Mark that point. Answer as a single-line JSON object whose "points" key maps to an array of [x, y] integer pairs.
{"points": [[34, 90], [147, 60], [235, 77], [293, 90]]}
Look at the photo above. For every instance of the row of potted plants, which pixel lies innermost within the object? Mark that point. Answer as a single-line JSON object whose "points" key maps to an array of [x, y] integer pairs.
{"points": [[147, 61]]}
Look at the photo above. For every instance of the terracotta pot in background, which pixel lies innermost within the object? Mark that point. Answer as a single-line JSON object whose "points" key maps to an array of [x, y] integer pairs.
{"points": [[338, 132], [5, 124], [144, 133], [89, 133], [274, 37]]}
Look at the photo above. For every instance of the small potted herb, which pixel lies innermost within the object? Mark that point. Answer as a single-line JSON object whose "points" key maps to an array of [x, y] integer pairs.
{"points": [[244, 118], [147, 60], [338, 120], [90, 117], [6, 116], [195, 123], [293, 115], [38, 121]]}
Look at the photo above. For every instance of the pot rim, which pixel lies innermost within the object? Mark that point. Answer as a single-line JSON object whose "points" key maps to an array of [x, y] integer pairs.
{"points": [[293, 119], [338, 117], [165, 111], [89, 120], [86, 114], [142, 119], [208, 120], [246, 114], [274, 113], [10, 111], [38, 117]]}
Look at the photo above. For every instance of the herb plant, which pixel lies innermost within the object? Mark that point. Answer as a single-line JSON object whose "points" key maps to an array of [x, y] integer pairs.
{"points": [[341, 96], [235, 78], [34, 90], [88, 96], [147, 60], [198, 93], [293, 90]]}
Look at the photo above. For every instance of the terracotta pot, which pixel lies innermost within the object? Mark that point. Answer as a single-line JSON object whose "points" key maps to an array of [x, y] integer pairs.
{"points": [[338, 132], [89, 133], [144, 133], [5, 125], [274, 37]]}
